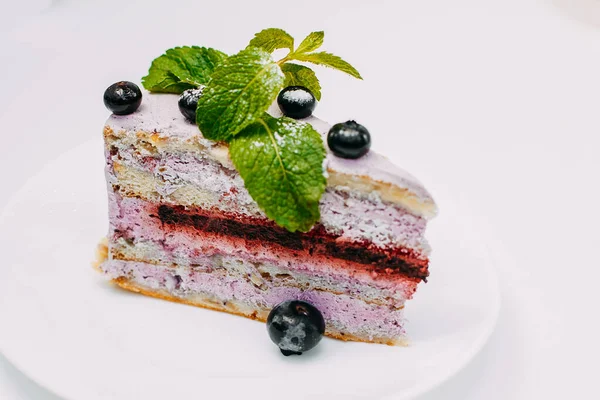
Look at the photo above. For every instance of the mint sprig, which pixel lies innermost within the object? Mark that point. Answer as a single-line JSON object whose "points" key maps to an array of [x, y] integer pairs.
{"points": [[239, 92], [182, 68], [327, 60], [272, 39], [281, 162], [305, 52], [279, 159]]}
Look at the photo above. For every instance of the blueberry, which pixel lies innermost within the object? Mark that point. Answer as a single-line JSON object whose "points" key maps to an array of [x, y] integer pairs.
{"points": [[296, 102], [188, 102], [123, 98], [349, 140], [295, 326]]}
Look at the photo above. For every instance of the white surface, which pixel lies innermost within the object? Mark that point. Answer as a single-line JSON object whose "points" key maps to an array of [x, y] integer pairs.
{"points": [[500, 97], [109, 340]]}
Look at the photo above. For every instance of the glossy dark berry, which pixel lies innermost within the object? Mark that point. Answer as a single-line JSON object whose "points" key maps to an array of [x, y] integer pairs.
{"points": [[123, 98], [296, 102], [349, 140], [188, 102], [295, 326]]}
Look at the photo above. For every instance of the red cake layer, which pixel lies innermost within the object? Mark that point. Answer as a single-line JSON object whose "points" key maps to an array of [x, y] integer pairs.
{"points": [[317, 242]]}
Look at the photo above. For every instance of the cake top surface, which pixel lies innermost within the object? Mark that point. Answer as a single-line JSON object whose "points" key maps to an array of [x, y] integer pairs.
{"points": [[159, 113]]}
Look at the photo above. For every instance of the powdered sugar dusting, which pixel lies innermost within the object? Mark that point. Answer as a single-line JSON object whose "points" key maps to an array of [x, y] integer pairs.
{"points": [[193, 94], [298, 96]]}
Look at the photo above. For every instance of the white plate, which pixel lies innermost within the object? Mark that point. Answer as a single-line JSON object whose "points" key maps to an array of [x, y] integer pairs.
{"points": [[81, 338]]}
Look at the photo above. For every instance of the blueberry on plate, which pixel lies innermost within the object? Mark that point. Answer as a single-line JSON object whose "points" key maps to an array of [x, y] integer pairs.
{"points": [[188, 102], [349, 140], [295, 326], [123, 98], [296, 102]]}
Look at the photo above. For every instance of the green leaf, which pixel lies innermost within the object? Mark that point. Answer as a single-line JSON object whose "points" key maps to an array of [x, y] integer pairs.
{"points": [[272, 39], [281, 162], [312, 42], [328, 60], [299, 75], [240, 90], [182, 68]]}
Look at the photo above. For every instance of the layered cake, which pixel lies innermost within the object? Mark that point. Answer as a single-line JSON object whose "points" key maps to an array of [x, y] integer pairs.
{"points": [[184, 227]]}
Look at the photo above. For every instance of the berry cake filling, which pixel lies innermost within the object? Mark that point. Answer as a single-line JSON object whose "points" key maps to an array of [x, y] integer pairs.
{"points": [[136, 218]]}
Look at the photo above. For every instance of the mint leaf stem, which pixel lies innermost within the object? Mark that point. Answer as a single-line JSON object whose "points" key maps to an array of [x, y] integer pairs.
{"points": [[283, 60]]}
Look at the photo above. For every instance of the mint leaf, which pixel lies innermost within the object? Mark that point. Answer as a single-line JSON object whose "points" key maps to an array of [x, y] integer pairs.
{"points": [[182, 68], [312, 42], [281, 162], [272, 39], [328, 60], [240, 90], [299, 75]]}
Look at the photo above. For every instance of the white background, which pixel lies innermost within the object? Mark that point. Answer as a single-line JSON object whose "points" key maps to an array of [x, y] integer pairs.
{"points": [[498, 100]]}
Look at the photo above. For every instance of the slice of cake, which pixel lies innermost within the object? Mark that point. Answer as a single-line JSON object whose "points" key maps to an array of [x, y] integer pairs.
{"points": [[184, 226]]}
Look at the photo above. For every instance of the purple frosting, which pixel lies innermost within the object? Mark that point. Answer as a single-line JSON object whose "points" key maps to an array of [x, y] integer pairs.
{"points": [[159, 113]]}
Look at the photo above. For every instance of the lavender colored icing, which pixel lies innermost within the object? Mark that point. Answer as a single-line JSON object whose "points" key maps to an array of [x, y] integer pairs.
{"points": [[160, 113]]}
